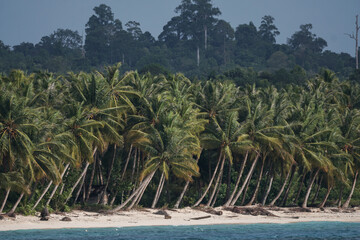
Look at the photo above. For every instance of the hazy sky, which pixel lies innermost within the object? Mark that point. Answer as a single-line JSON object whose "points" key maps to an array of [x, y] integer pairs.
{"points": [[29, 20]]}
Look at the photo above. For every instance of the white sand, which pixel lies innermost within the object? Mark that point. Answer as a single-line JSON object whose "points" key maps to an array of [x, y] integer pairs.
{"points": [[146, 217]]}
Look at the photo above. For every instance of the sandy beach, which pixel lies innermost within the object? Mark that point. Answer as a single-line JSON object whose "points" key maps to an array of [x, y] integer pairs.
{"points": [[186, 216]]}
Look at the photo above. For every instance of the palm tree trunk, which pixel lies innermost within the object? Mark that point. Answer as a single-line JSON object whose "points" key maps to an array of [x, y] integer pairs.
{"points": [[16, 204], [246, 180], [79, 190], [300, 188], [238, 180], [304, 205], [263, 202], [42, 195], [127, 162], [258, 184], [217, 181], [135, 193], [245, 191], [212, 179], [91, 178], [47, 188], [57, 185], [109, 176], [77, 182], [282, 188], [317, 190], [288, 187], [340, 197], [215, 198], [322, 204], [228, 187], [177, 204], [5, 199], [158, 191], [347, 202]]}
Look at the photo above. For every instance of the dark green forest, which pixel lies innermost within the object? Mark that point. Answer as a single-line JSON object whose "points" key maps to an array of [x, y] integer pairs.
{"points": [[195, 42]]}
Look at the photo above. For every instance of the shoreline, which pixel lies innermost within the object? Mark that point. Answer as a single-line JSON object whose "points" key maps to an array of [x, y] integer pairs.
{"points": [[179, 217]]}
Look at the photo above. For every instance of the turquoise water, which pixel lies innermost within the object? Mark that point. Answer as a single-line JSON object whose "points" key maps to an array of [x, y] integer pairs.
{"points": [[309, 230]]}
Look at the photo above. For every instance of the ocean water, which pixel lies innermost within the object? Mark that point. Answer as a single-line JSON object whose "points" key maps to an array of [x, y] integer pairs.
{"points": [[308, 230]]}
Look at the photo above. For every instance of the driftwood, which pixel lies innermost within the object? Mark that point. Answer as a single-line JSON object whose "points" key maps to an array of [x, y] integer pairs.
{"points": [[254, 211], [298, 209], [209, 210], [163, 212], [199, 218], [66, 219]]}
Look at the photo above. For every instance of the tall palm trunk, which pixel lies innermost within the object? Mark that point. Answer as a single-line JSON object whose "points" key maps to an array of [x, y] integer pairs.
{"points": [[322, 204], [5, 199], [57, 185], [91, 178], [246, 180], [79, 190], [300, 188], [304, 205], [16, 204], [212, 179], [159, 190], [288, 187], [263, 202], [317, 190], [108, 178], [238, 180], [347, 202], [217, 181], [282, 188], [177, 204], [258, 184], [48, 186], [127, 162], [141, 187], [77, 182]]}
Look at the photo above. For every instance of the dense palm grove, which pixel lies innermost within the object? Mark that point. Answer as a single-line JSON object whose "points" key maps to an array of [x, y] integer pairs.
{"points": [[112, 140]]}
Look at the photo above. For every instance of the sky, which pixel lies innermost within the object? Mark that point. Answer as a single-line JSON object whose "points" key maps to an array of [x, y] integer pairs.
{"points": [[29, 20]]}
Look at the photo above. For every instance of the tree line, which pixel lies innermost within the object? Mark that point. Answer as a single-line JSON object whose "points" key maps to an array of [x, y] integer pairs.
{"points": [[125, 140], [195, 42]]}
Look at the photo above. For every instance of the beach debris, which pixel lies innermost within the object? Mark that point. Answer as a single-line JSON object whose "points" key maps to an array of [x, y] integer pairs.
{"points": [[209, 210], [44, 214], [66, 219], [163, 212], [12, 215], [254, 211], [199, 218], [1, 217], [298, 209]]}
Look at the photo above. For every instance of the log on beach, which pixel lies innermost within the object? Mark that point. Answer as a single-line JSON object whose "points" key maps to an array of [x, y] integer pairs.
{"points": [[254, 211]]}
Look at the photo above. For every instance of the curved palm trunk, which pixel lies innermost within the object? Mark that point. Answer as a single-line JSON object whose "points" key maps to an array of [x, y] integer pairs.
{"points": [[322, 204], [300, 188], [127, 162], [159, 190], [16, 204], [177, 204], [317, 190], [263, 202], [347, 202], [109, 176], [57, 185], [77, 182], [91, 178], [217, 181], [238, 180], [79, 190], [282, 188], [246, 180], [245, 191], [5, 199], [288, 187], [42, 195], [212, 179], [304, 205], [136, 194], [258, 184]]}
